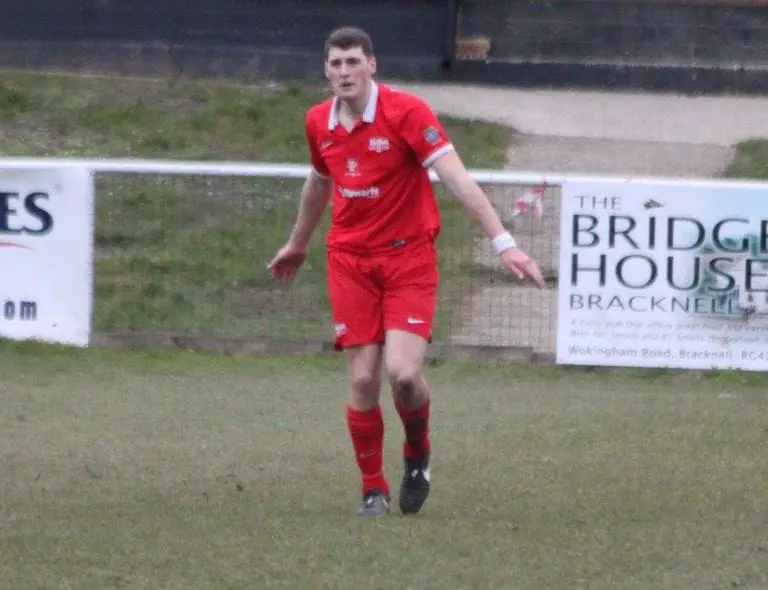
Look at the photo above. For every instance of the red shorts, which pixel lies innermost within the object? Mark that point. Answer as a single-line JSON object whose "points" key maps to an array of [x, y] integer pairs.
{"points": [[372, 294]]}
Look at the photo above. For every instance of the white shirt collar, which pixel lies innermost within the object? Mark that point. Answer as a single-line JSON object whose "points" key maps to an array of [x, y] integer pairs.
{"points": [[369, 114]]}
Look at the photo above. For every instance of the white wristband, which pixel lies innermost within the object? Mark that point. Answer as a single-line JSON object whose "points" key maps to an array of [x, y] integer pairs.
{"points": [[503, 242]]}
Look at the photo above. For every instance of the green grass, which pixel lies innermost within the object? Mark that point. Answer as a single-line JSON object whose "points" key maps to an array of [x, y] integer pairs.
{"points": [[163, 471], [189, 254], [751, 160]]}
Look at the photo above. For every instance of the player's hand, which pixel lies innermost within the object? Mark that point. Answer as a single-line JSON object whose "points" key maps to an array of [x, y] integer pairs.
{"points": [[522, 266], [287, 262]]}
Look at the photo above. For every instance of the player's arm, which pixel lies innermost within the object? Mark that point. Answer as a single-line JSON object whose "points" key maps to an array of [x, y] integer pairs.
{"points": [[455, 177], [315, 195], [451, 171], [427, 138], [429, 141]]}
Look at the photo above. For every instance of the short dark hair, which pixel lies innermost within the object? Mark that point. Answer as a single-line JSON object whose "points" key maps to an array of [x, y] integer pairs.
{"points": [[347, 38]]}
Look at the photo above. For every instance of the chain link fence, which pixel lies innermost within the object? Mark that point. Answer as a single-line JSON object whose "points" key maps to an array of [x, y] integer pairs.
{"points": [[186, 255]]}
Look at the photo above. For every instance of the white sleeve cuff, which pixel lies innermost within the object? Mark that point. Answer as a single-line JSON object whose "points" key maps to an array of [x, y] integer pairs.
{"points": [[441, 151]]}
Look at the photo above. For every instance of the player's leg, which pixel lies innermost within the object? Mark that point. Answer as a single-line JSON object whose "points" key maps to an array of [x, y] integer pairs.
{"points": [[366, 426], [405, 353], [356, 310], [409, 306]]}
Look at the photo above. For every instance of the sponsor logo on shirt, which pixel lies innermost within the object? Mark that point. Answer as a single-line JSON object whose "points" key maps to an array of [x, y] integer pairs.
{"points": [[371, 192], [378, 144]]}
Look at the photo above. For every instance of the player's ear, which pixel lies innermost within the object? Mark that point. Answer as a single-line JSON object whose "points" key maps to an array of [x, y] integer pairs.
{"points": [[372, 65]]}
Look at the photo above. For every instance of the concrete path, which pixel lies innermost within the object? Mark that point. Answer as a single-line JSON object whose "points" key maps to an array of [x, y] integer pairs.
{"points": [[663, 118], [582, 133]]}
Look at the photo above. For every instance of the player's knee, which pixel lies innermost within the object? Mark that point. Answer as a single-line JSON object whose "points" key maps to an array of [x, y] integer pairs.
{"points": [[364, 392], [365, 385], [405, 379]]}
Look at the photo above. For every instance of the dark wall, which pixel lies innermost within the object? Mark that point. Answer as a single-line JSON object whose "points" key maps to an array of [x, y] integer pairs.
{"points": [[716, 34], [688, 45], [249, 37], [298, 25]]}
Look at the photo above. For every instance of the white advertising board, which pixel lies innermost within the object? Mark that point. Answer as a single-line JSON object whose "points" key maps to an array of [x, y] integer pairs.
{"points": [[663, 274], [46, 254]]}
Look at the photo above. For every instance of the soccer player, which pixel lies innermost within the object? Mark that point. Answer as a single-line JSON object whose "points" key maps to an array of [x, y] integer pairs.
{"points": [[371, 148]]}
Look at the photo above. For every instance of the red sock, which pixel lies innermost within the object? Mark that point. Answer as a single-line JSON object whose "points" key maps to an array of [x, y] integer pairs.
{"points": [[416, 423], [367, 432]]}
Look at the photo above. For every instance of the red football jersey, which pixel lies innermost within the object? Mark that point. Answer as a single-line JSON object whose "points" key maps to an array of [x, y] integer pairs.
{"points": [[383, 197]]}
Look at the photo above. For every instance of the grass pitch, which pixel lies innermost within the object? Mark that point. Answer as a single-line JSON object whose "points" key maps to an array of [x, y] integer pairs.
{"points": [[189, 471], [180, 471]]}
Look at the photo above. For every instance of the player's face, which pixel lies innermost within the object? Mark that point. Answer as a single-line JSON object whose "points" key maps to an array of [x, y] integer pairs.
{"points": [[349, 71]]}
